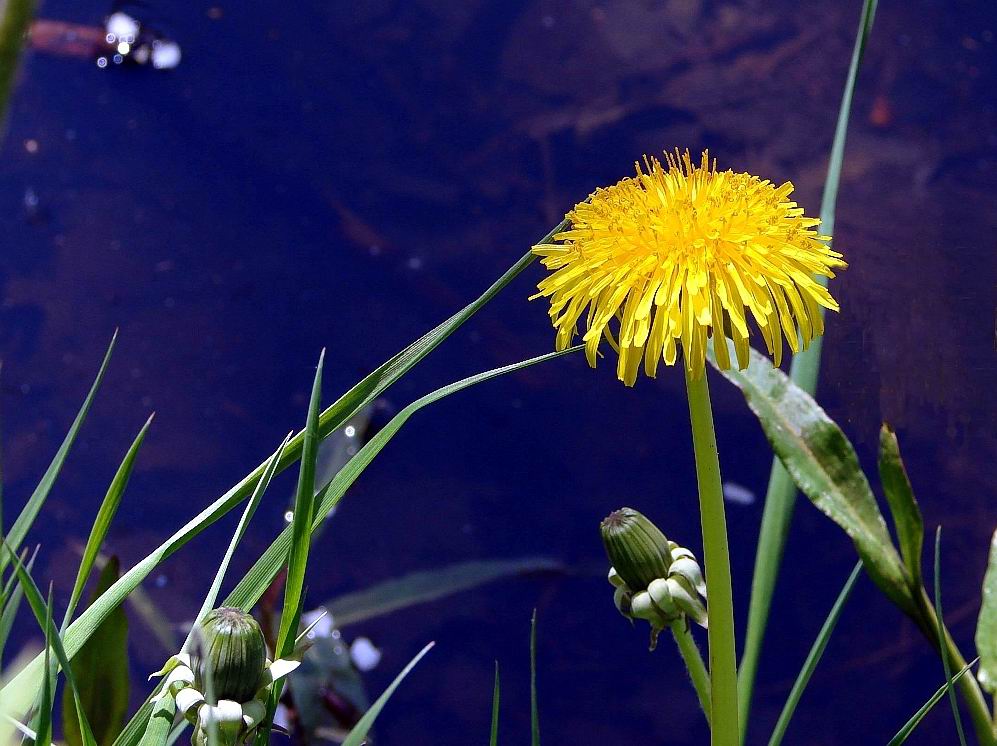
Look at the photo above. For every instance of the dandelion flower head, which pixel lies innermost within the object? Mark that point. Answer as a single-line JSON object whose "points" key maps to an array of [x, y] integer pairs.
{"points": [[682, 252]]}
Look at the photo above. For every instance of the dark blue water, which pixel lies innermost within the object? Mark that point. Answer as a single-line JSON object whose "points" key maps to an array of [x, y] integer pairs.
{"points": [[346, 175]]}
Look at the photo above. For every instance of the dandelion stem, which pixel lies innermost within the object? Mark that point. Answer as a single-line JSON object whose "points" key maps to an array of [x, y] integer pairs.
{"points": [[693, 663], [720, 601]]}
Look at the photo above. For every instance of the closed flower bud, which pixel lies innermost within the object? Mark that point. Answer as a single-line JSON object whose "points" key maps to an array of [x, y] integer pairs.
{"points": [[231, 644], [636, 548]]}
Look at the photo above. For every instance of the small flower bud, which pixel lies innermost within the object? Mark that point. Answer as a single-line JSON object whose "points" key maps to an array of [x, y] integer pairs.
{"points": [[231, 642], [636, 548]]}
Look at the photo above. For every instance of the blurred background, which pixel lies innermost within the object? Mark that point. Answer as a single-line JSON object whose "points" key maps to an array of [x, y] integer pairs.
{"points": [[348, 174]]}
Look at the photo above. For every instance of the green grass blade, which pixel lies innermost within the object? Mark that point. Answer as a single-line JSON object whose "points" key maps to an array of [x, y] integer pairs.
{"points": [[946, 665], [904, 733], [44, 717], [534, 709], [258, 579], [30, 511], [101, 673], [813, 658], [297, 558], [430, 585], [247, 515], [493, 740], [780, 498], [155, 730], [43, 613], [101, 524], [12, 606], [358, 735], [362, 394], [903, 505], [304, 516]]}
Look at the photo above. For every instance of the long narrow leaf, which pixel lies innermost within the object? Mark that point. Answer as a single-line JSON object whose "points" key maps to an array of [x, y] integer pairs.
{"points": [[156, 729], [946, 665], [813, 658], [108, 509], [13, 605], [297, 559], [247, 515], [493, 740], [780, 497], [43, 725], [258, 579], [904, 733], [358, 735], [43, 613], [825, 467], [301, 523], [534, 709], [101, 673], [365, 392], [27, 516], [430, 585], [261, 575], [903, 507]]}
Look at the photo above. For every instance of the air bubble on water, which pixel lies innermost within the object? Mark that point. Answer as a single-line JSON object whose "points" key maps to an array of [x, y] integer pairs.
{"points": [[102, 62]]}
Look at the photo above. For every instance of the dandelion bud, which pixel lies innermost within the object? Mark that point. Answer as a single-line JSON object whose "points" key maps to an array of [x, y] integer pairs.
{"points": [[638, 551], [232, 646]]}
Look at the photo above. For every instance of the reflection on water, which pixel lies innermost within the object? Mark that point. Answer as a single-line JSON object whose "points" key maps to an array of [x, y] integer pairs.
{"points": [[347, 175]]}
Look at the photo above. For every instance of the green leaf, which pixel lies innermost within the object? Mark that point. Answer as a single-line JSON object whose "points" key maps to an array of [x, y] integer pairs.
{"points": [[101, 672], [247, 515], [493, 740], [986, 626], [422, 587], [297, 558], [362, 394], [43, 613], [13, 604], [44, 717], [941, 636], [824, 466], [304, 517], [813, 658], [780, 497], [27, 516], [903, 507], [358, 735], [918, 716], [258, 579], [101, 524], [534, 710], [157, 729]]}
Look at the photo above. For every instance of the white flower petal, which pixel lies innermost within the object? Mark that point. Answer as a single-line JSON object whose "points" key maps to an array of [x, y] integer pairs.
{"points": [[225, 712], [281, 668], [188, 698]]}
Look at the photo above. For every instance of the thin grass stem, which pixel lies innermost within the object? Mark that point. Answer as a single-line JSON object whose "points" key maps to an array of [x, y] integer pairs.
{"points": [[693, 663]]}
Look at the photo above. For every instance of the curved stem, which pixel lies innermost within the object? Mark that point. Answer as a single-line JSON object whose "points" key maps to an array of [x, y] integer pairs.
{"points": [[693, 663], [973, 697], [720, 597]]}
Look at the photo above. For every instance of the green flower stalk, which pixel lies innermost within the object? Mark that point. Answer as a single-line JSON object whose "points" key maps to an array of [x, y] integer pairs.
{"points": [[232, 656]]}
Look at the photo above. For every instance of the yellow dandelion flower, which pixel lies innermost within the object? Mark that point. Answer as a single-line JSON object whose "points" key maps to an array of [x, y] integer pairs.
{"points": [[680, 253]]}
